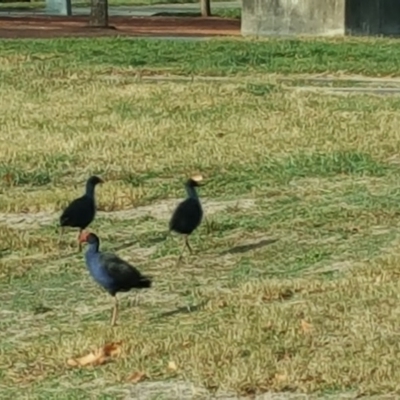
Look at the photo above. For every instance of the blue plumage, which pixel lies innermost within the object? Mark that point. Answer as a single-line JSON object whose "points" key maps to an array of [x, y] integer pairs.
{"points": [[98, 272], [111, 272]]}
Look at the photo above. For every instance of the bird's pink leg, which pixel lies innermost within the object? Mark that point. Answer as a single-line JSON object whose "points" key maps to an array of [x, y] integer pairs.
{"points": [[79, 241], [135, 300], [187, 244], [61, 234], [181, 254], [115, 312]]}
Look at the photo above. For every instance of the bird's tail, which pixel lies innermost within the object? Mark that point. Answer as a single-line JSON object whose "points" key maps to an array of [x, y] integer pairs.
{"points": [[145, 282]]}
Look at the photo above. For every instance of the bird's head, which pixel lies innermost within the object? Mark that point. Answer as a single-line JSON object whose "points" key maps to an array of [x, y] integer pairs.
{"points": [[88, 237], [94, 180], [195, 181]]}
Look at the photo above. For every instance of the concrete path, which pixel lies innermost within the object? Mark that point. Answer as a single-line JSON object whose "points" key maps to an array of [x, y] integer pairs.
{"points": [[370, 86]]}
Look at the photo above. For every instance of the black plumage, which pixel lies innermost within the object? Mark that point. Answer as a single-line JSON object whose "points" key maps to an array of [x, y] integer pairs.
{"points": [[111, 272], [81, 212], [188, 214]]}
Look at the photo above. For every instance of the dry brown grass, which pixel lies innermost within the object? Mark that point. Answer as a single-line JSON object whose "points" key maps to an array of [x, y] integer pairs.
{"points": [[294, 287]]}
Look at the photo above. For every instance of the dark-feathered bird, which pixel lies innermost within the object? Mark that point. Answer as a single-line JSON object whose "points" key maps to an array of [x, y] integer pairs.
{"points": [[81, 212], [111, 272], [188, 214]]}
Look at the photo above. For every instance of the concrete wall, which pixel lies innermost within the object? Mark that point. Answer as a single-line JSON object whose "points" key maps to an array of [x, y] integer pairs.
{"points": [[292, 17], [320, 17]]}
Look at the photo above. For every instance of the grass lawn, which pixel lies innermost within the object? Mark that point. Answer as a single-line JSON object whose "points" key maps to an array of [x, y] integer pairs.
{"points": [[293, 286]]}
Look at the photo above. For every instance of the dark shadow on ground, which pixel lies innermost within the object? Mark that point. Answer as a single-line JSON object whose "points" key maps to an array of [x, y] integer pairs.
{"points": [[41, 309], [5, 252], [182, 310], [153, 240], [124, 246], [158, 239], [248, 247]]}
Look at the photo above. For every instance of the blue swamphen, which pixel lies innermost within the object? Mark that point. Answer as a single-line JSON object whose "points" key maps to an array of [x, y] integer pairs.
{"points": [[81, 212], [188, 214], [111, 272]]}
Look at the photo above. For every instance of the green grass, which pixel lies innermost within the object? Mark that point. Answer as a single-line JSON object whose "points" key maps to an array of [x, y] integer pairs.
{"points": [[293, 286], [374, 57]]}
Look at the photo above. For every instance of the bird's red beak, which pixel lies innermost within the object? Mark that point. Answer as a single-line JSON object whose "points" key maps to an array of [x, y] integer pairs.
{"points": [[83, 237]]}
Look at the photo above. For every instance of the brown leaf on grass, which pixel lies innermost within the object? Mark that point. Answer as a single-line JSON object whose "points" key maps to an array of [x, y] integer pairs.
{"points": [[281, 377], [97, 357], [93, 358], [222, 304], [8, 178], [305, 326], [137, 377], [112, 349]]}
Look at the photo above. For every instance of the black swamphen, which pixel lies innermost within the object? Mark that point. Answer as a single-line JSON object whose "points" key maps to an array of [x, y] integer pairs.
{"points": [[111, 272], [81, 212], [188, 214]]}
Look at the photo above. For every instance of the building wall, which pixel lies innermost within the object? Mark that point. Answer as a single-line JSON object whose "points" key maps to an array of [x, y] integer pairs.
{"points": [[372, 17], [320, 17], [291, 17]]}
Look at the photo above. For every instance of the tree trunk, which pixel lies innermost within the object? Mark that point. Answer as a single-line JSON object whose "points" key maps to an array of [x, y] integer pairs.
{"points": [[99, 14], [205, 6]]}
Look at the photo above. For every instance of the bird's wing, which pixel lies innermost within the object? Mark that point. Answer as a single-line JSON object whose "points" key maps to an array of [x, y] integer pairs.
{"points": [[184, 208], [69, 210], [118, 269]]}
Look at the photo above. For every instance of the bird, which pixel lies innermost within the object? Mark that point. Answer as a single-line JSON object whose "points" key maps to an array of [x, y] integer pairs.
{"points": [[80, 212], [188, 214], [111, 272]]}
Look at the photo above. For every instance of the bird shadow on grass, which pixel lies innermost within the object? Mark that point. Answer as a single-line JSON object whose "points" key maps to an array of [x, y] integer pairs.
{"points": [[151, 241], [248, 247], [41, 309], [158, 239], [124, 246], [181, 310], [5, 252]]}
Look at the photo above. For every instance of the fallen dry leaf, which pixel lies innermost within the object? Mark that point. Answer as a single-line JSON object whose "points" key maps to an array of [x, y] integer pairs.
{"points": [[305, 326], [94, 358], [280, 377], [112, 349], [97, 357], [8, 178], [172, 366], [136, 377]]}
